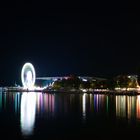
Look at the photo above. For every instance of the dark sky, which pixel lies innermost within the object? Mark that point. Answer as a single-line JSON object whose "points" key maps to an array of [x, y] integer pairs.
{"points": [[100, 40]]}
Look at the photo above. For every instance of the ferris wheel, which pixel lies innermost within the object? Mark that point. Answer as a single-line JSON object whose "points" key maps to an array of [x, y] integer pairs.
{"points": [[28, 75]]}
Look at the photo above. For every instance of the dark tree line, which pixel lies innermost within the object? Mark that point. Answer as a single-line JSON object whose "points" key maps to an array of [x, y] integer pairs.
{"points": [[73, 82]]}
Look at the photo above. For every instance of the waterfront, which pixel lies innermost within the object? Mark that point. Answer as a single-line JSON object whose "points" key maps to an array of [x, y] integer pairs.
{"points": [[68, 116]]}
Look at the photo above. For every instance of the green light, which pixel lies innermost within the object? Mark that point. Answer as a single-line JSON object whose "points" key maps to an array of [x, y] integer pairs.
{"points": [[107, 104], [0, 101]]}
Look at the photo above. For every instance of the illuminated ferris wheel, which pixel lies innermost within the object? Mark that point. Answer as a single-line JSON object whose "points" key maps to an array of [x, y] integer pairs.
{"points": [[28, 75]]}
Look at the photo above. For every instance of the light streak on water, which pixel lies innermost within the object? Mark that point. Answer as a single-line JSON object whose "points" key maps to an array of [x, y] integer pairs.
{"points": [[84, 106], [28, 111]]}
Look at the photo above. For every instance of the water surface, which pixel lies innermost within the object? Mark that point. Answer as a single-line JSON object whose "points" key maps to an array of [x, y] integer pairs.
{"points": [[68, 116]]}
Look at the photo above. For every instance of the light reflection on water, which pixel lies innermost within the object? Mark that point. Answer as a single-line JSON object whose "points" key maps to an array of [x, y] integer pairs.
{"points": [[30, 106], [0, 101], [128, 107], [27, 113], [45, 104], [84, 106], [138, 107], [121, 106]]}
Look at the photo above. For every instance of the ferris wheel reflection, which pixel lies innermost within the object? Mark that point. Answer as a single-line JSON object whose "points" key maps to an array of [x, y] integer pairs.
{"points": [[27, 113]]}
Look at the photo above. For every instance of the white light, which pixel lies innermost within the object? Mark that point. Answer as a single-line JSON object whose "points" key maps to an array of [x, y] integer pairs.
{"points": [[28, 76], [28, 111], [84, 80], [84, 106]]}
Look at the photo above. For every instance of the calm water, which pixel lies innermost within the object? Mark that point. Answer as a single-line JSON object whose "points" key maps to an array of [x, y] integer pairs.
{"points": [[68, 116]]}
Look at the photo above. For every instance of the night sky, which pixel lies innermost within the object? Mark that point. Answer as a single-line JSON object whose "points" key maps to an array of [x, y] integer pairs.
{"points": [[96, 41]]}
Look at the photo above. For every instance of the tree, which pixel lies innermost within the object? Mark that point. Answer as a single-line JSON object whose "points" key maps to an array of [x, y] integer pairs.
{"points": [[122, 81]]}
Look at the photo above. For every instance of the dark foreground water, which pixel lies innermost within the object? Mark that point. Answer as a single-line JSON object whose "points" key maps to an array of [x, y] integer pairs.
{"points": [[68, 116]]}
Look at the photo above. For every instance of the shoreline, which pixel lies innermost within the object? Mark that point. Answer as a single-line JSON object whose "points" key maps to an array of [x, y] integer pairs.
{"points": [[96, 91]]}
